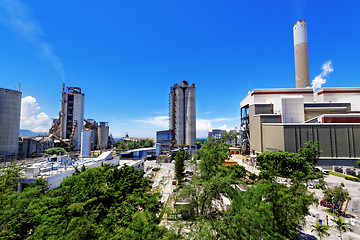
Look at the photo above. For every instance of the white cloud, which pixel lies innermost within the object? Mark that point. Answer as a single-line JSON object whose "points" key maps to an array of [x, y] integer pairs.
{"points": [[16, 16], [159, 121], [31, 119], [203, 126], [319, 80]]}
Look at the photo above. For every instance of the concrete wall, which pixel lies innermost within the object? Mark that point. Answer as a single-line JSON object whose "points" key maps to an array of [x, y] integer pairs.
{"points": [[338, 142], [10, 107], [273, 137], [258, 114], [256, 131]]}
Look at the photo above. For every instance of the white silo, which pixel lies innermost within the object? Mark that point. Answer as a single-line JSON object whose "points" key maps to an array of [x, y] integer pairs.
{"points": [[10, 107], [190, 113], [179, 115], [301, 54], [85, 144]]}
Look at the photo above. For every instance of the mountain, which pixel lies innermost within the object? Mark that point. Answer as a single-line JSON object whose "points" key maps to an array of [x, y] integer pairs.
{"points": [[29, 133]]}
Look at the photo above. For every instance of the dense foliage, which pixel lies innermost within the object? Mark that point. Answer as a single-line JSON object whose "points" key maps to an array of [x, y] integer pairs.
{"points": [[212, 154], [337, 194], [96, 203], [266, 210], [124, 145], [58, 151], [286, 164], [180, 158]]}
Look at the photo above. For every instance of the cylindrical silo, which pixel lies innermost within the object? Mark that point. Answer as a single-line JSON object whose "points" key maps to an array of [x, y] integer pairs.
{"points": [[172, 109], [190, 108], [301, 55], [10, 107], [179, 116], [85, 144], [103, 135]]}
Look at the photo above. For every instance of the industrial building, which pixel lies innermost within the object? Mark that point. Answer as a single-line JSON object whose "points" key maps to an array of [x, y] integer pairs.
{"points": [[164, 139], [67, 128], [138, 154], [183, 113], [215, 133], [10, 107], [33, 146], [285, 119]]}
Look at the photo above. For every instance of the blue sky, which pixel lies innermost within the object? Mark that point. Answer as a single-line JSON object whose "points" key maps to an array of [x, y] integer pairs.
{"points": [[125, 55]]}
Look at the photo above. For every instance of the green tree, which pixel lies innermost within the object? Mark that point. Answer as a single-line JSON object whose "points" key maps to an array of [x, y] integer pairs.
{"points": [[311, 152], [237, 171], [180, 158], [20, 213], [267, 211], [124, 145], [212, 154], [321, 230], [358, 163], [10, 176], [58, 151], [296, 165], [229, 137], [103, 203], [337, 195], [341, 225]]}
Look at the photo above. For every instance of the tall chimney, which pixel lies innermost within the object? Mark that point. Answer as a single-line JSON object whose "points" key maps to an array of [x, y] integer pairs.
{"points": [[301, 55]]}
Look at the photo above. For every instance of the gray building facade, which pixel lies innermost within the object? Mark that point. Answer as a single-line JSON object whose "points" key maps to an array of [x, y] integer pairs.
{"points": [[10, 110]]}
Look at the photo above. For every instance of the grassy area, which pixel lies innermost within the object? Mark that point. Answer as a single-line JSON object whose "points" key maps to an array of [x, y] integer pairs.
{"points": [[343, 176]]}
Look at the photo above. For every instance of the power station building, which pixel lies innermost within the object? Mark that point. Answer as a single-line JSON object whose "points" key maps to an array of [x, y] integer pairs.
{"points": [[182, 119], [10, 107], [285, 119]]}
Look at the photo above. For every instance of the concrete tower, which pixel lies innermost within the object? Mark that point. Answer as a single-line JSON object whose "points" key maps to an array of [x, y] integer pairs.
{"points": [[10, 106], [103, 135], [183, 113], [72, 114], [301, 55]]}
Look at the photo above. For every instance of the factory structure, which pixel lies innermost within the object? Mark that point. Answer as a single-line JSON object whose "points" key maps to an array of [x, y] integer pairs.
{"points": [[285, 119], [68, 130], [182, 118], [67, 127], [10, 108], [71, 130]]}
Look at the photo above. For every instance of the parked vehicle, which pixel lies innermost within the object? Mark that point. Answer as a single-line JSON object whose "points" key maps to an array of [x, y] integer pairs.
{"points": [[187, 179], [174, 181], [326, 204], [155, 169]]}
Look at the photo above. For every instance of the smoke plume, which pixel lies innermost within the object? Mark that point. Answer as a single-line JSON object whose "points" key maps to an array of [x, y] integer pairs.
{"points": [[319, 80], [16, 16]]}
